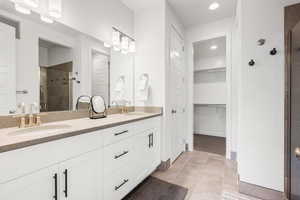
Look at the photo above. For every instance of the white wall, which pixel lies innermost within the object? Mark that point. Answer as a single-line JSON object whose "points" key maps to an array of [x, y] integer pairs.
{"points": [[152, 31], [97, 17], [150, 52], [43, 56], [122, 65], [210, 120], [210, 62], [59, 55], [200, 33], [261, 128], [54, 55]]}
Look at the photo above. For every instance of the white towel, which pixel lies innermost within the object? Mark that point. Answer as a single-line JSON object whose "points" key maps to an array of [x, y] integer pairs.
{"points": [[143, 88]]}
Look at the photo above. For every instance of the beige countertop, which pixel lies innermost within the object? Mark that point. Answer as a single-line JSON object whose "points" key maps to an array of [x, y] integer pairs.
{"points": [[16, 138]]}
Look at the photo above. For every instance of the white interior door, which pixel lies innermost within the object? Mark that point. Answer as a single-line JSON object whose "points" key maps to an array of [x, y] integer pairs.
{"points": [[7, 69], [177, 94], [100, 86]]}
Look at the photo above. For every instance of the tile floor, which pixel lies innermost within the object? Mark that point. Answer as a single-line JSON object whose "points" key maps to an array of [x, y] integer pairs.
{"points": [[207, 176]]}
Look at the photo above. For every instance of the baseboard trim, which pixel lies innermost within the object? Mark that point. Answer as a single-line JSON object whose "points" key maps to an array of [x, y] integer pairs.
{"points": [[233, 156], [260, 192], [164, 165]]}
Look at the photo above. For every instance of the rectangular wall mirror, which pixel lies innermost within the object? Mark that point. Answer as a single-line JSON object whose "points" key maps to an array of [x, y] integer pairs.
{"points": [[51, 65]]}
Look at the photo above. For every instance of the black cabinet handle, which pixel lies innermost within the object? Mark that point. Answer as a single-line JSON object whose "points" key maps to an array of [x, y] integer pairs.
{"points": [[121, 185], [55, 197], [151, 139], [149, 142], [121, 133], [122, 154], [66, 182]]}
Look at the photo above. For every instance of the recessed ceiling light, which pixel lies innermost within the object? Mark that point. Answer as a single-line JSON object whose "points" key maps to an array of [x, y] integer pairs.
{"points": [[214, 6], [213, 47]]}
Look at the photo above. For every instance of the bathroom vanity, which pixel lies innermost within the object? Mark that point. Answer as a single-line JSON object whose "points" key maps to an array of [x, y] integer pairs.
{"points": [[79, 159]]}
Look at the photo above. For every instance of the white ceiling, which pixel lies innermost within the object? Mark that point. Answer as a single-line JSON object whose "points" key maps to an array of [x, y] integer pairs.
{"points": [[195, 12], [190, 12], [137, 5]]}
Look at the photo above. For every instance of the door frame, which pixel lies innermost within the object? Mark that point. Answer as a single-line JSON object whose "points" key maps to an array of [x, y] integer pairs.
{"points": [[229, 136], [173, 30], [291, 19]]}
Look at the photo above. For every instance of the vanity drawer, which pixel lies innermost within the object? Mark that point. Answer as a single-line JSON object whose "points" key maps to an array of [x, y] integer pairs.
{"points": [[118, 185], [116, 134], [117, 155]]}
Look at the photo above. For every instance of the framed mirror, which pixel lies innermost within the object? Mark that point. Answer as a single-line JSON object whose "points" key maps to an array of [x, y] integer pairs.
{"points": [[51, 65]]}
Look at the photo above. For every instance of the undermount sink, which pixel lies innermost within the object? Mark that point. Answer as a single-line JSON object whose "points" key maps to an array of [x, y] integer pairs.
{"points": [[46, 129]]}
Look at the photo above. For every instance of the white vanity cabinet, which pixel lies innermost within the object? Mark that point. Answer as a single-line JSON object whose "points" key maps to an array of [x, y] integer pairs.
{"points": [[74, 179], [36, 186], [80, 178], [102, 165]]}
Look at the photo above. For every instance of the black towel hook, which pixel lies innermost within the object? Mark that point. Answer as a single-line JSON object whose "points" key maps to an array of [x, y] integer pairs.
{"points": [[251, 63], [273, 52]]}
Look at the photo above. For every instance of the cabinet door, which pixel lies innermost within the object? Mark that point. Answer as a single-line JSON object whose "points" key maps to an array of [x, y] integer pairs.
{"points": [[80, 177], [144, 148], [153, 152], [41, 185]]}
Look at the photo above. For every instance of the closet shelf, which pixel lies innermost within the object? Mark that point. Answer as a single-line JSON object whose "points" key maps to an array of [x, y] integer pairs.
{"points": [[210, 69]]}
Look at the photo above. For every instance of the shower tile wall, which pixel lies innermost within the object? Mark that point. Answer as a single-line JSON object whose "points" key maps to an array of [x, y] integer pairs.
{"points": [[58, 87]]}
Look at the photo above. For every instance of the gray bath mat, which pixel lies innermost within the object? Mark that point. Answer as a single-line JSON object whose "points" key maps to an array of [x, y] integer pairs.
{"points": [[156, 189]]}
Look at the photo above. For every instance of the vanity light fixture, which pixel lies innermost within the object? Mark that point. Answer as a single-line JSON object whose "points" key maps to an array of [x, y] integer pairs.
{"points": [[22, 9], [213, 47], [32, 3], [123, 51], [116, 38], [122, 41], [214, 6], [48, 9], [132, 46], [107, 45], [116, 48], [55, 8], [47, 19], [125, 43]]}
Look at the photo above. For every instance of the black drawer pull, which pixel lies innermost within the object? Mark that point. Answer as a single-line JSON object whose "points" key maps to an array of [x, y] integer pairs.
{"points": [[55, 197], [122, 154], [119, 186], [121, 133], [150, 140], [66, 182]]}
